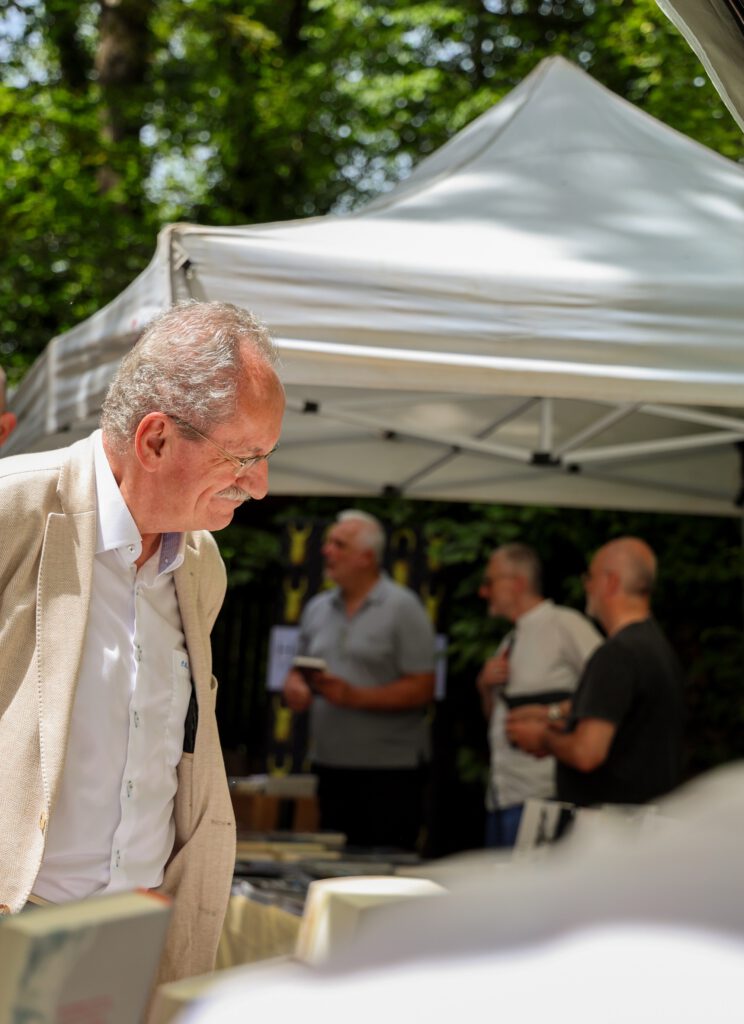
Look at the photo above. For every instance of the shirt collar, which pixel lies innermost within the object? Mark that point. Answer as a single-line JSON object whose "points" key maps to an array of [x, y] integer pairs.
{"points": [[116, 529], [372, 597]]}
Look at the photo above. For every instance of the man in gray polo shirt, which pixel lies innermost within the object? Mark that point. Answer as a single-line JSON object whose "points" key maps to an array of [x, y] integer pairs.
{"points": [[368, 733]]}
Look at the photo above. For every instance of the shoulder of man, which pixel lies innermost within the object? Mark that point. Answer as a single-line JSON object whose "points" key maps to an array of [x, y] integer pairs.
{"points": [[398, 592], [408, 612], [569, 615], [21, 468], [572, 619], [609, 656], [32, 481]]}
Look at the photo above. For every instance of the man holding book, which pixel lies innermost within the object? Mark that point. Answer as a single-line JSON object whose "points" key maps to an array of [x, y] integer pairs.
{"points": [[368, 732], [111, 773]]}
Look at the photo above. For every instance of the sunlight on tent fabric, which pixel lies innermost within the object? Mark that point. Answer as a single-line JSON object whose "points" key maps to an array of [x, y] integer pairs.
{"points": [[565, 248]]}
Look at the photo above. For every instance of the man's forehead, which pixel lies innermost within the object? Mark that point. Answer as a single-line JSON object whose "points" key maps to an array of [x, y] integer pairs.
{"points": [[346, 531], [258, 384]]}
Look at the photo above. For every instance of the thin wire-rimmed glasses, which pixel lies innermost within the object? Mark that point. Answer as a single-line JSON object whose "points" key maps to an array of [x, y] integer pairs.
{"points": [[240, 464]]}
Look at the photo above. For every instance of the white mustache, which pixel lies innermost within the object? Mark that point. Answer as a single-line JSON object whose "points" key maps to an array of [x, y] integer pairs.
{"points": [[234, 494]]}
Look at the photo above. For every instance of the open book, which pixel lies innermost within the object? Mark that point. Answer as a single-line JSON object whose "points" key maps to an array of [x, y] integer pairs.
{"points": [[88, 962]]}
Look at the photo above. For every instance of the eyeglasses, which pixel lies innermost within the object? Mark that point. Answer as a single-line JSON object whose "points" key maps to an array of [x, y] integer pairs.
{"points": [[590, 577], [487, 581], [240, 464]]}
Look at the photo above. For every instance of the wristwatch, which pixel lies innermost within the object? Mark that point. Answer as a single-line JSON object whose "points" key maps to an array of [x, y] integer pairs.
{"points": [[554, 713]]}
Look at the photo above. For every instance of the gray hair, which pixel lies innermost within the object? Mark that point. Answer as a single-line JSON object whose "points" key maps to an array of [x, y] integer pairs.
{"points": [[525, 562], [372, 536], [187, 362]]}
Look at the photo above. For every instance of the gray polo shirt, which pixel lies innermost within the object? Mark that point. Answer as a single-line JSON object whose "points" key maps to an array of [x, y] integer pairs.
{"points": [[389, 636]]}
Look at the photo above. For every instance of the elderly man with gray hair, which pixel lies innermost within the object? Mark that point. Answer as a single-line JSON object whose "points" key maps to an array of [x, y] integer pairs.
{"points": [[369, 735], [111, 773], [7, 419], [539, 662]]}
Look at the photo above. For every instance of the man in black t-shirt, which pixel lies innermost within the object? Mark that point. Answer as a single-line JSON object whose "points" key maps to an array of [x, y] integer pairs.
{"points": [[620, 739]]}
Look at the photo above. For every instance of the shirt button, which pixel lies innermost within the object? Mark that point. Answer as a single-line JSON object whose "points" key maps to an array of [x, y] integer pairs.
{"points": [[118, 860], [43, 821], [4, 908], [136, 720]]}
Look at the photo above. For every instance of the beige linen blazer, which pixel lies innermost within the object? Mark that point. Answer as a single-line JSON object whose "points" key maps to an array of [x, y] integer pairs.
{"points": [[47, 547]]}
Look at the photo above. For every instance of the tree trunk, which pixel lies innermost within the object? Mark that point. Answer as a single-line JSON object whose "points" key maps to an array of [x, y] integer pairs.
{"points": [[121, 64]]}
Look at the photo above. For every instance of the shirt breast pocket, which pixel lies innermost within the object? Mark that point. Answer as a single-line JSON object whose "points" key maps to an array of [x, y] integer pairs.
{"points": [[179, 704]]}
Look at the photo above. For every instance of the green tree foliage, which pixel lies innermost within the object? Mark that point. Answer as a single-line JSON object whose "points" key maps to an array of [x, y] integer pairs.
{"points": [[118, 116]]}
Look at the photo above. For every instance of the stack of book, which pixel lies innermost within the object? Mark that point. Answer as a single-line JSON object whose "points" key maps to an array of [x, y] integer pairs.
{"points": [[87, 962]]}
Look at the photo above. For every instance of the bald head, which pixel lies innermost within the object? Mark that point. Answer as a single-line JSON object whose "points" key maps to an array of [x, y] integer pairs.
{"points": [[619, 583], [632, 561]]}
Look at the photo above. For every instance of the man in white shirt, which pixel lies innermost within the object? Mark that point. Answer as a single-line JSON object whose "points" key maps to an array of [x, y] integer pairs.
{"points": [[538, 662], [111, 774]]}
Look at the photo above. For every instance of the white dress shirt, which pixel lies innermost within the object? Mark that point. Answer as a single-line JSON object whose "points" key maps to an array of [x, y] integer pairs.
{"points": [[111, 826], [549, 647]]}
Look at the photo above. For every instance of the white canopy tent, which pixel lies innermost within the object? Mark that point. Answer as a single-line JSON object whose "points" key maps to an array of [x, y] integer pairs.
{"points": [[549, 310]]}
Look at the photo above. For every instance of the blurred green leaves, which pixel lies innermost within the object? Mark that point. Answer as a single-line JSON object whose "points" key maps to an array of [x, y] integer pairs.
{"points": [[228, 112]]}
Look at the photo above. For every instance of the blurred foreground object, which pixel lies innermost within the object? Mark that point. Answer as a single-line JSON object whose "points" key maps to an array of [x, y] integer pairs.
{"points": [[715, 31], [88, 961], [648, 919], [336, 910]]}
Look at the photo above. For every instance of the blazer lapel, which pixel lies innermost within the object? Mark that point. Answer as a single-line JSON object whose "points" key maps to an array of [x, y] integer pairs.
{"points": [[192, 621], [63, 599]]}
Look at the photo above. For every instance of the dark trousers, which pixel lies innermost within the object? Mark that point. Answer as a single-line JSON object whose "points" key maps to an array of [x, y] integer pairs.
{"points": [[372, 806]]}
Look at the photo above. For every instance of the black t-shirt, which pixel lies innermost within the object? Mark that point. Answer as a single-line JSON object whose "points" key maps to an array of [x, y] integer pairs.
{"points": [[635, 681]]}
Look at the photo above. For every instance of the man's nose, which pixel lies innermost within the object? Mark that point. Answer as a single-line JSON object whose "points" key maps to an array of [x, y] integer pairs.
{"points": [[255, 478]]}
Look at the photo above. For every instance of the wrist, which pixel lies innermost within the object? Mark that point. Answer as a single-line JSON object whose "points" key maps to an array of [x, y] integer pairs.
{"points": [[353, 697], [555, 713]]}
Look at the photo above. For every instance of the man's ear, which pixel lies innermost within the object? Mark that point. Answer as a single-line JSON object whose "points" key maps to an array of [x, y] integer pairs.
{"points": [[7, 425], [613, 581], [151, 439]]}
